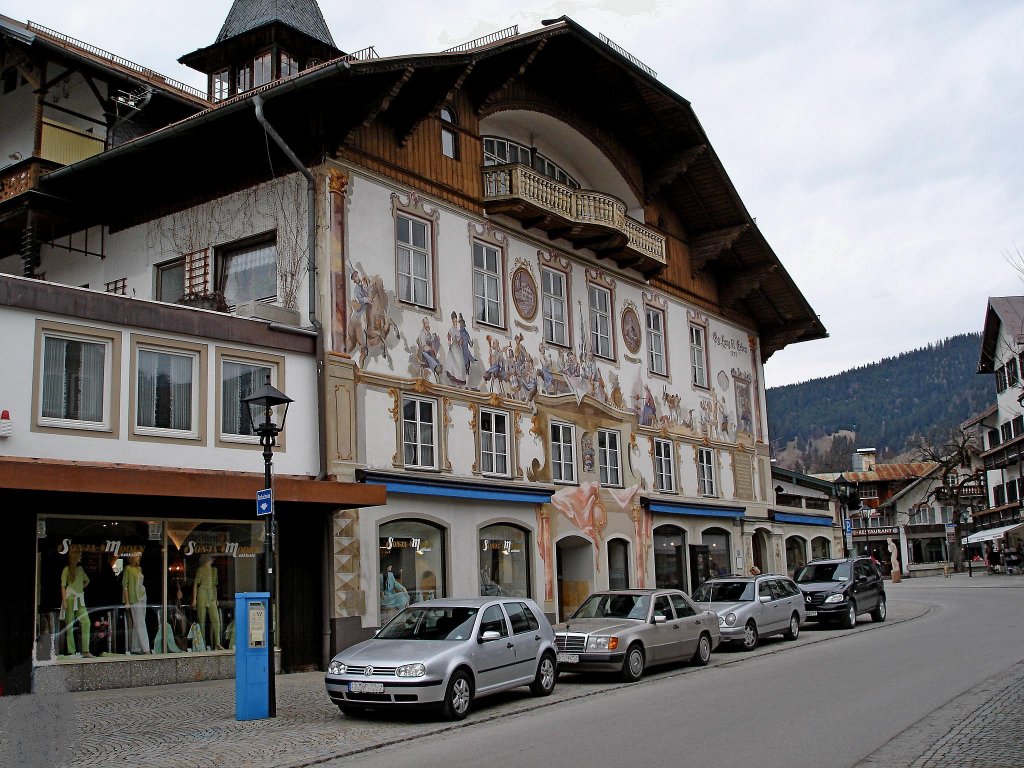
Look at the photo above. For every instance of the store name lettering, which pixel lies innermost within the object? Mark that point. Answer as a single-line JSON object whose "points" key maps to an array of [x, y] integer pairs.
{"points": [[393, 543], [734, 346], [111, 547], [229, 548], [504, 546]]}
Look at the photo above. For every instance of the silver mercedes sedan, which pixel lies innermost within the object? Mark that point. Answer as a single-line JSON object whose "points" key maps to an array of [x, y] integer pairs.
{"points": [[629, 630], [446, 653]]}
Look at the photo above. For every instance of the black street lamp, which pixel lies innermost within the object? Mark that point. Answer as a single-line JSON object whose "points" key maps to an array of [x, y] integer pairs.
{"points": [[847, 494], [261, 404]]}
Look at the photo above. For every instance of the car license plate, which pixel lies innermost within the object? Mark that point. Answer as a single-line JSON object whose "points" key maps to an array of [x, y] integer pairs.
{"points": [[812, 614], [568, 658], [366, 687]]}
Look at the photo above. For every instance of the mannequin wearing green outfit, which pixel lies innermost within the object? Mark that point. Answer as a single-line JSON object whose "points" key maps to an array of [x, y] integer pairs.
{"points": [[134, 592], [72, 602], [204, 600]]}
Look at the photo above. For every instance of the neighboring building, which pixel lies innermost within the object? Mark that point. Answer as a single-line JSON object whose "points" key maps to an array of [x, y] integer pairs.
{"points": [[534, 310], [1002, 354], [806, 500]]}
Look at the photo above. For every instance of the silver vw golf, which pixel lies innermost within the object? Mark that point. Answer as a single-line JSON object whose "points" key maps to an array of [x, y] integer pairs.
{"points": [[446, 653]]}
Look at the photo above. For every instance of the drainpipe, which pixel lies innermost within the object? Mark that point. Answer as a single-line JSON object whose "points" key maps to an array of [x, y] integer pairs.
{"points": [[321, 390]]}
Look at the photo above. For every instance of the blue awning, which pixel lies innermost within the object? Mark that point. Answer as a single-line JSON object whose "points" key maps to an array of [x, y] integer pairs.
{"points": [[433, 486], [789, 517], [699, 510]]}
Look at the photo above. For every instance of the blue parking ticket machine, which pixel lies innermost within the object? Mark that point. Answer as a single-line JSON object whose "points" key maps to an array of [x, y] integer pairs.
{"points": [[252, 656]]}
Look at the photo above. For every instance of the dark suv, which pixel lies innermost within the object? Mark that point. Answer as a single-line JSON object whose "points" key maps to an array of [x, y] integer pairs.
{"points": [[841, 590]]}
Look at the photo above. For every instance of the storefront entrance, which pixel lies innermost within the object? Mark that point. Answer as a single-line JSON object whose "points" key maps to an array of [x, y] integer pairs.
{"points": [[700, 565], [759, 545], [574, 565], [669, 557]]}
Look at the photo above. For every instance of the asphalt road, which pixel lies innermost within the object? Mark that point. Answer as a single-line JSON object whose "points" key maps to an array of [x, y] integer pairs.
{"points": [[812, 704]]}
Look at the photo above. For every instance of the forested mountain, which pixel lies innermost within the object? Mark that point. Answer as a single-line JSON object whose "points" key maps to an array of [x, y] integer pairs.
{"points": [[889, 405]]}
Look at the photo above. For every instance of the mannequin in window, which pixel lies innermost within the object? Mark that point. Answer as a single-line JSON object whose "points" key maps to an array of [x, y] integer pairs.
{"points": [[393, 594], [204, 600], [73, 582], [133, 590]]}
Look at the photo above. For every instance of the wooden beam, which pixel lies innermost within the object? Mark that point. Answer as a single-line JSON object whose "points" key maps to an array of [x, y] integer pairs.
{"points": [[741, 284], [487, 95], [375, 106], [672, 169], [708, 247], [406, 133]]}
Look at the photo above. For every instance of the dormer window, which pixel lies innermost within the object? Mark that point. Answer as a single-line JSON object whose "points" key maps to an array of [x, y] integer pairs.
{"points": [[449, 138], [243, 82], [221, 88], [289, 66], [262, 69]]}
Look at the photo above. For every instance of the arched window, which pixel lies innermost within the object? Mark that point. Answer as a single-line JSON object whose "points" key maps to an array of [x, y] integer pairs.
{"points": [[796, 552], [618, 564], [717, 541], [504, 561], [449, 137], [669, 557], [411, 557]]}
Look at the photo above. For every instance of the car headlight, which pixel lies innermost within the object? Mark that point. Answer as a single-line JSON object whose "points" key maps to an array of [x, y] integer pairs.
{"points": [[721, 621], [411, 670], [336, 668], [602, 643], [835, 598], [730, 619]]}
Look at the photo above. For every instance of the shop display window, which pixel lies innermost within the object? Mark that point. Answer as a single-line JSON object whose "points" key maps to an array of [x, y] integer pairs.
{"points": [[669, 557], [717, 541], [504, 561], [411, 559], [120, 587]]}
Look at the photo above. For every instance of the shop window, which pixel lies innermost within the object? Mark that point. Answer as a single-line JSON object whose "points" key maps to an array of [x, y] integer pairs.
{"points": [[504, 561], [449, 136], [248, 272], [415, 261], [555, 301], [664, 479], [608, 461], [821, 548], [669, 557], [166, 391], [170, 281], [618, 564], [494, 443], [698, 356], [76, 379], [104, 593], [656, 341], [563, 453], [418, 433], [796, 553], [411, 563], [488, 269], [600, 321], [706, 472], [717, 541]]}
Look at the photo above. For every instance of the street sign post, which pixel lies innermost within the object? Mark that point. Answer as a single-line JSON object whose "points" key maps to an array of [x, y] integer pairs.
{"points": [[264, 501]]}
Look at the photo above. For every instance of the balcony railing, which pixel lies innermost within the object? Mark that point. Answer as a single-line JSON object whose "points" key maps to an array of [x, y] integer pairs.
{"points": [[585, 208], [65, 145]]}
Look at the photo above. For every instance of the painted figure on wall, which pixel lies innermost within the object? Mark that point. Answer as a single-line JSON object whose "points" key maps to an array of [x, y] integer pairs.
{"points": [[583, 507], [544, 542], [744, 413], [427, 354], [643, 526], [587, 452], [460, 357], [648, 412], [369, 324], [494, 374]]}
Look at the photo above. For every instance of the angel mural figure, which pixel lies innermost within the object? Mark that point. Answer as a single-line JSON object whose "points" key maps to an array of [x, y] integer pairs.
{"points": [[583, 507], [427, 355]]}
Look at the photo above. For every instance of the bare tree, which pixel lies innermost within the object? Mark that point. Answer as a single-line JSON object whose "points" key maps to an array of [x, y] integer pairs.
{"points": [[957, 478]]}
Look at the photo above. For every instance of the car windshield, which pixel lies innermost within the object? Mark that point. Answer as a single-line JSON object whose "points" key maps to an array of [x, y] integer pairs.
{"points": [[724, 592], [423, 623], [604, 606], [822, 572]]}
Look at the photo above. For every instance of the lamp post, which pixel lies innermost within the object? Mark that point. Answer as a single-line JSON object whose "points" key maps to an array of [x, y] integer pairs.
{"points": [[847, 495], [261, 404]]}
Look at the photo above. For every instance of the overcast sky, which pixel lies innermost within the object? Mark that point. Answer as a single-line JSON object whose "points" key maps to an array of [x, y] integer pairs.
{"points": [[876, 143]]}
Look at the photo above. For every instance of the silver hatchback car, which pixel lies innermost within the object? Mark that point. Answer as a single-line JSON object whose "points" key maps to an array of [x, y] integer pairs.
{"points": [[752, 607], [446, 653]]}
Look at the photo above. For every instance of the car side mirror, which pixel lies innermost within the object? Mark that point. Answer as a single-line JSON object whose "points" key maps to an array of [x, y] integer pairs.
{"points": [[861, 579], [489, 635], [659, 618], [765, 598]]}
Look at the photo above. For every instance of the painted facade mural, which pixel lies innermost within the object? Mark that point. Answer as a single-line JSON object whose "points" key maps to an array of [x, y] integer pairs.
{"points": [[369, 322]]}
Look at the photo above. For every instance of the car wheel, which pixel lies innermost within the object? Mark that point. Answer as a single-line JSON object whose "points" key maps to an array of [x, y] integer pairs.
{"points": [[544, 683], [750, 636], [702, 655], [458, 697], [879, 613], [850, 619], [633, 666], [794, 627]]}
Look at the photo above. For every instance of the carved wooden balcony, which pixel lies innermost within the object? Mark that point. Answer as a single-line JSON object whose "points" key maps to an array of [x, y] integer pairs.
{"points": [[585, 218]]}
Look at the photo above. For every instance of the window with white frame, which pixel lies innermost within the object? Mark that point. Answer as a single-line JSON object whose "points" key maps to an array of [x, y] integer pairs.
{"points": [[449, 138], [75, 382], [239, 379], [170, 281], [664, 477], [248, 272], [494, 443], [656, 341], [601, 321], [608, 457], [221, 85], [555, 301], [487, 294], [414, 261], [501, 151], [262, 69], [706, 472], [868, 491], [698, 355], [165, 392], [418, 433], [563, 453]]}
